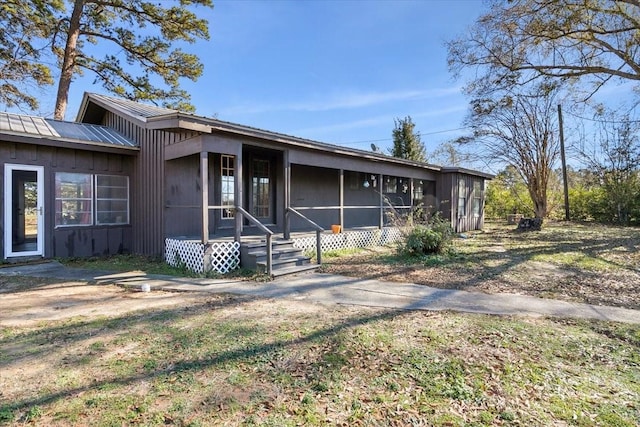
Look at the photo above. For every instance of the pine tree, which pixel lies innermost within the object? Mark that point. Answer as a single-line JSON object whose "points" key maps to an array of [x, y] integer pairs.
{"points": [[141, 63], [406, 142]]}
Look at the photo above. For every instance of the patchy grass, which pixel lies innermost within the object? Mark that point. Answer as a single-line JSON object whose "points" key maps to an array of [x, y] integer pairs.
{"points": [[122, 263], [575, 262], [148, 265], [232, 361]]}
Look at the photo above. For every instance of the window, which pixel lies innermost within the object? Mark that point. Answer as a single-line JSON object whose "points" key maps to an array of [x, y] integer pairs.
{"points": [[418, 192], [477, 198], [74, 199], [79, 195], [228, 186], [462, 200], [112, 199], [390, 185]]}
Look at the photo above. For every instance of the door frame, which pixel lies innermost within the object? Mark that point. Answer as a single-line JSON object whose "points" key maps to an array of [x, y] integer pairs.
{"points": [[271, 219], [8, 209]]}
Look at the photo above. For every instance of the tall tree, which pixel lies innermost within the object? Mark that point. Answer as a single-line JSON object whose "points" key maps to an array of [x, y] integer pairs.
{"points": [[141, 62], [24, 25], [406, 142], [521, 40], [520, 129]]}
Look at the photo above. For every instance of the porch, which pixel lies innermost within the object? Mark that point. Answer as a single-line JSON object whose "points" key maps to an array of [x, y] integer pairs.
{"points": [[224, 254], [221, 206]]}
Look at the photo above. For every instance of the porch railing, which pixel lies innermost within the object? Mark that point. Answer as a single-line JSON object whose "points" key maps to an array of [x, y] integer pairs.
{"points": [[315, 226], [268, 233]]}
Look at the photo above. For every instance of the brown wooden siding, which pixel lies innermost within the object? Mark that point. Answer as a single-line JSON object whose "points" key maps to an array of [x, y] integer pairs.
{"points": [[147, 189], [468, 220], [81, 241]]}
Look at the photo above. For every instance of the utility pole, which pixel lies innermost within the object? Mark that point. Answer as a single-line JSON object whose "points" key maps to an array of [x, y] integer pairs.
{"points": [[564, 166]]}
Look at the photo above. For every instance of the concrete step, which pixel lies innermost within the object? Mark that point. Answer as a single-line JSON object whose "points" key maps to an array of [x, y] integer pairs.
{"points": [[261, 255], [285, 258], [299, 269], [284, 263]]}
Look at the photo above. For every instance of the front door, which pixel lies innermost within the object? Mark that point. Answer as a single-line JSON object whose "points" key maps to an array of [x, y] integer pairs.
{"points": [[261, 190], [24, 210]]}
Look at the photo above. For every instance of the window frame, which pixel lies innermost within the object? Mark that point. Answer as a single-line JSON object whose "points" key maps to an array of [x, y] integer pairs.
{"points": [[226, 160], [98, 199], [61, 200], [477, 199], [93, 200], [462, 198]]}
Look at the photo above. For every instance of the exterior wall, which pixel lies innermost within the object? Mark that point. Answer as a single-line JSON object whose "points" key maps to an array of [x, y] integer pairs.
{"points": [[362, 204], [147, 183], [69, 241], [315, 187], [183, 198], [311, 188], [467, 187]]}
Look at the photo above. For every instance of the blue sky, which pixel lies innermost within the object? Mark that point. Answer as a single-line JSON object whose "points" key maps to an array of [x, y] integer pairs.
{"points": [[335, 71]]}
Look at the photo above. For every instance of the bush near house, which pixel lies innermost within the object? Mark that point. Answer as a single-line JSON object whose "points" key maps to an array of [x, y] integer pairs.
{"points": [[429, 238]]}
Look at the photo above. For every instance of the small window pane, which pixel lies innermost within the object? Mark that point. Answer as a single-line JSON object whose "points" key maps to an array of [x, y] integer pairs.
{"points": [[112, 199], [462, 198], [228, 187], [73, 204]]}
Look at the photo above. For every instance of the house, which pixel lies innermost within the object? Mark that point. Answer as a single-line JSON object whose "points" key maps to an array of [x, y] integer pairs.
{"points": [[127, 177]]}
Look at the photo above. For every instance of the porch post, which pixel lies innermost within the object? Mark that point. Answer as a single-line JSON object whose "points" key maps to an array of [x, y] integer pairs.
{"points": [[381, 188], [239, 198], [204, 174], [287, 194], [341, 196], [411, 194]]}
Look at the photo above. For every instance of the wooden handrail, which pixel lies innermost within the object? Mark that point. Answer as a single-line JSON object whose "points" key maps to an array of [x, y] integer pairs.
{"points": [[313, 224], [268, 234], [318, 231]]}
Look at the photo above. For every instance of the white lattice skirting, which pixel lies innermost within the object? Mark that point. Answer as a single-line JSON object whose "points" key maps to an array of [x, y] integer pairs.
{"points": [[221, 257], [350, 239]]}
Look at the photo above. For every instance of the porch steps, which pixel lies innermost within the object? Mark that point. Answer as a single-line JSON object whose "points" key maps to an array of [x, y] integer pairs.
{"points": [[285, 258]]}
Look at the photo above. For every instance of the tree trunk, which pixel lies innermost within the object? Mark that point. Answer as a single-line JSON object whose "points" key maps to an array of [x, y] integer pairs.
{"points": [[539, 199], [69, 61]]}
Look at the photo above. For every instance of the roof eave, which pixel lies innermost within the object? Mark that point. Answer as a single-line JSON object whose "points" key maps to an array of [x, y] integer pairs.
{"points": [[453, 169], [303, 143], [177, 121], [67, 143], [88, 98]]}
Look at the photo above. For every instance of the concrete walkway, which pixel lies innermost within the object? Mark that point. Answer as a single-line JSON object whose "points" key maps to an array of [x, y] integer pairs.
{"points": [[334, 289]]}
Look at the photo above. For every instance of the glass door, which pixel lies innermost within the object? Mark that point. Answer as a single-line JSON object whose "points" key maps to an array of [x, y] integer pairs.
{"points": [[261, 197], [24, 210]]}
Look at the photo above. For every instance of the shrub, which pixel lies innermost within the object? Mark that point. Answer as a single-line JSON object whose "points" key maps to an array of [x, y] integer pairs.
{"points": [[427, 239]]}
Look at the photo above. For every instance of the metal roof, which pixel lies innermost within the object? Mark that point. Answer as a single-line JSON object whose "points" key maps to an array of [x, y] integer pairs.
{"points": [[61, 130], [134, 108], [149, 113], [26, 124]]}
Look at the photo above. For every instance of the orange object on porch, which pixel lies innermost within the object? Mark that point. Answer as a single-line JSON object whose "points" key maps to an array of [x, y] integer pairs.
{"points": [[336, 228]]}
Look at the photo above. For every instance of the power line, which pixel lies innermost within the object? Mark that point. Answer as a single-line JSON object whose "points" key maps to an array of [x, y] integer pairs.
{"points": [[391, 139], [601, 120]]}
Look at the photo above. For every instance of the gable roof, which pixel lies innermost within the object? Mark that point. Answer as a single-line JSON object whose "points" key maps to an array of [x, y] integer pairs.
{"points": [[153, 117], [56, 130]]}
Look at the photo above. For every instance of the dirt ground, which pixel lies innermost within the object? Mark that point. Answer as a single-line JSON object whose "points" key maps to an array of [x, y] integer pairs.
{"points": [[493, 261], [580, 263], [33, 301]]}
